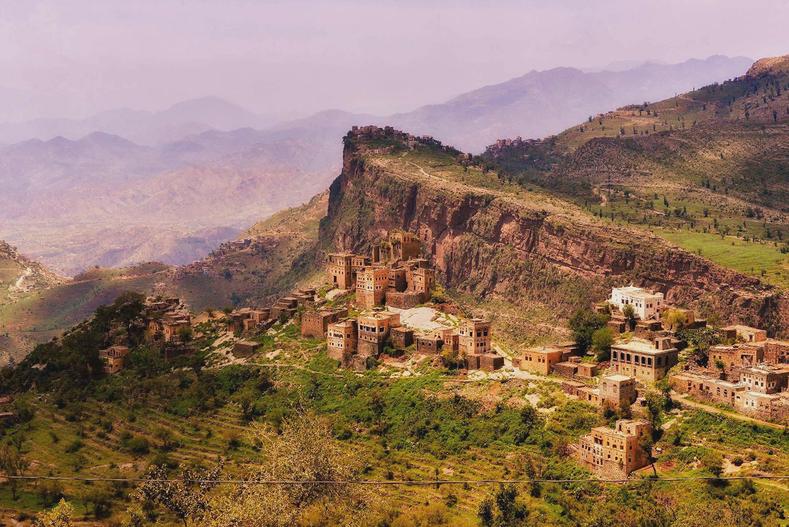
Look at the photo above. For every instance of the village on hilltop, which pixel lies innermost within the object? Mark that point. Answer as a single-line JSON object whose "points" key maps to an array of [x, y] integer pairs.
{"points": [[380, 308]]}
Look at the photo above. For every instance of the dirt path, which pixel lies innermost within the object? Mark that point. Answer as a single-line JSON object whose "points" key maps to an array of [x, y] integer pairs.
{"points": [[683, 398]]}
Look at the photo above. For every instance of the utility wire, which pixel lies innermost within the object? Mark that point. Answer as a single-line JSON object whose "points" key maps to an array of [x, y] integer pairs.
{"points": [[389, 482]]}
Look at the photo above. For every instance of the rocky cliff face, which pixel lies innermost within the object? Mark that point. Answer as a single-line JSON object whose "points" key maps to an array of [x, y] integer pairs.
{"points": [[491, 243]]}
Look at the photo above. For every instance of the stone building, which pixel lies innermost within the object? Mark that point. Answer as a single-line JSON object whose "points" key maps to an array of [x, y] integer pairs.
{"points": [[340, 270], [341, 340], [646, 361], [776, 351], [374, 330], [613, 453], [474, 337], [618, 390], [113, 358], [315, 322], [245, 348], [646, 304], [402, 337], [738, 332], [706, 388], [729, 360], [371, 285], [541, 360], [765, 378], [430, 343]]}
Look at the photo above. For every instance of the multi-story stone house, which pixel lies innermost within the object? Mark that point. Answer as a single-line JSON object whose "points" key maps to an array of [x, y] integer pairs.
{"points": [[644, 360], [613, 453]]}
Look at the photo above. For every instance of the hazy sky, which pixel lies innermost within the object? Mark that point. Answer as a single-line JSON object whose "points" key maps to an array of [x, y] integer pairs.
{"points": [[73, 58]]}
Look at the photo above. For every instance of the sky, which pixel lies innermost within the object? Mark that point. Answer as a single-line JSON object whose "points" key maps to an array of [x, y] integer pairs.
{"points": [[291, 58]]}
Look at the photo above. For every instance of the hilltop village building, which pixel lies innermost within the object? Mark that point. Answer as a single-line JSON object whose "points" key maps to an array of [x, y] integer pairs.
{"points": [[751, 375], [646, 304], [393, 276], [644, 360], [613, 453], [113, 358]]}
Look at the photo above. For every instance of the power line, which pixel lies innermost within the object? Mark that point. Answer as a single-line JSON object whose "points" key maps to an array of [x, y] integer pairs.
{"points": [[390, 482]]}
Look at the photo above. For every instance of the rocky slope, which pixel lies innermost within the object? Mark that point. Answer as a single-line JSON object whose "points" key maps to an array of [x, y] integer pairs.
{"points": [[491, 239], [20, 275]]}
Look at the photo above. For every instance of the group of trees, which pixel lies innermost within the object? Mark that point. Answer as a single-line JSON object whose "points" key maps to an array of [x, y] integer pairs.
{"points": [[590, 332]]}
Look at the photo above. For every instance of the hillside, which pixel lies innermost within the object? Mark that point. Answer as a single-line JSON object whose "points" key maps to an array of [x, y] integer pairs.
{"points": [[712, 162], [495, 239], [541, 103], [268, 259], [20, 275]]}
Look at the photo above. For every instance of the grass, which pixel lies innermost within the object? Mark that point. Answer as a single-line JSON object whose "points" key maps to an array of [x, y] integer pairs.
{"points": [[761, 259]]}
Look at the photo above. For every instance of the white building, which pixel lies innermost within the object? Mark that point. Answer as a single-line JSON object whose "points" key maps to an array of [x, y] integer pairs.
{"points": [[646, 304]]}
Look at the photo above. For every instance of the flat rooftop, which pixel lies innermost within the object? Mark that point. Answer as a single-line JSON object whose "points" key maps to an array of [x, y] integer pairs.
{"points": [[640, 346], [618, 377]]}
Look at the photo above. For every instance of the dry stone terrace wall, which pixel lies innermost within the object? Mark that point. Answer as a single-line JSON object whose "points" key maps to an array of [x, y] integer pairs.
{"points": [[484, 244]]}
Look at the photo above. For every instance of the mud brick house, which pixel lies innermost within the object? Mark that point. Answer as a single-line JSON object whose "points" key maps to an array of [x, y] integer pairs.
{"points": [[246, 319], [646, 304], [174, 324], [613, 453], [402, 337], [374, 330], [430, 344], [245, 348], [706, 387], [315, 322], [744, 334], [729, 360], [776, 351], [644, 360], [371, 285], [541, 360], [284, 308], [113, 358], [341, 340]]}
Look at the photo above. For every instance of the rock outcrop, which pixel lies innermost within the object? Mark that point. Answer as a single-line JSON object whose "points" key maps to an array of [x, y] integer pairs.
{"points": [[488, 242]]}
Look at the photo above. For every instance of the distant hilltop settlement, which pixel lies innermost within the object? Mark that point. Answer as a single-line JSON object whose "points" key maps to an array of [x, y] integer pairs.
{"points": [[386, 308]]}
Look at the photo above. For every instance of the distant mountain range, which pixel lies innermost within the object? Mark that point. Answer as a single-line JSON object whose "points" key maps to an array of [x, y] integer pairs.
{"points": [[148, 128], [126, 186]]}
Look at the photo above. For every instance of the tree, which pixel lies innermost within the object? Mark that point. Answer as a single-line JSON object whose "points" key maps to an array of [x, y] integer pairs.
{"points": [[602, 339], [675, 319], [504, 510], [583, 324], [185, 496], [305, 452], [59, 516], [13, 463]]}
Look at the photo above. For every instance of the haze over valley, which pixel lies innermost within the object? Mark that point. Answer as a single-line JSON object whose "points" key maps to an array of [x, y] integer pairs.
{"points": [[124, 186]]}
